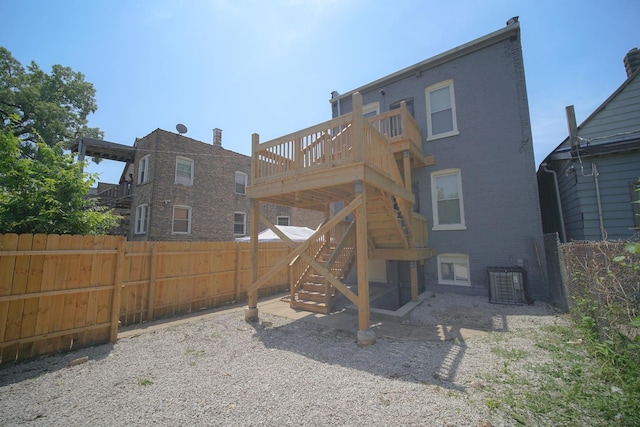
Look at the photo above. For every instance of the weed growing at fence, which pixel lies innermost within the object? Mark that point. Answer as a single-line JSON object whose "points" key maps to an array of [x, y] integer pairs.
{"points": [[572, 387], [592, 375]]}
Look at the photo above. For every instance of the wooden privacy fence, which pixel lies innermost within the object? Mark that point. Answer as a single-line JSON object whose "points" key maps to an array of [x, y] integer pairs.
{"points": [[61, 291]]}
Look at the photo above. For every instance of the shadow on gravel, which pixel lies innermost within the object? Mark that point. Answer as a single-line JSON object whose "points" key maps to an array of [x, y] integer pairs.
{"points": [[417, 361], [428, 348], [12, 373]]}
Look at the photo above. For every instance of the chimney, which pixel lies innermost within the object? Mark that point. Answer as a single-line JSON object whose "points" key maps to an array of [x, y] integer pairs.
{"points": [[217, 137], [632, 61]]}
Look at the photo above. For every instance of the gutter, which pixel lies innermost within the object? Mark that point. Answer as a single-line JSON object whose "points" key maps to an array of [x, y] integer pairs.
{"points": [[563, 232]]}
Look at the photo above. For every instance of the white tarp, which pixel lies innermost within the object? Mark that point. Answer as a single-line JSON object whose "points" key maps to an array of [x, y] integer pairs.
{"points": [[297, 234]]}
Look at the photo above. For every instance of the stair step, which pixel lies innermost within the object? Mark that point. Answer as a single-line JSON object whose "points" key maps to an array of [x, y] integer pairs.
{"points": [[313, 287], [312, 296], [316, 307]]}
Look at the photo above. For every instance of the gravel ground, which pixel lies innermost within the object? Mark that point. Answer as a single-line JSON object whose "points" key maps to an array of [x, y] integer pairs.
{"points": [[220, 370]]}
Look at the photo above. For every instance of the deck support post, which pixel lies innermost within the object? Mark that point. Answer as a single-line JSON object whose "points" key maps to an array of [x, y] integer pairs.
{"points": [[365, 335], [251, 312], [413, 269]]}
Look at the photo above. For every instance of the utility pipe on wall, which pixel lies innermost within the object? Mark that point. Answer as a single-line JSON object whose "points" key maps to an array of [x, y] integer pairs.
{"points": [[594, 170], [563, 233]]}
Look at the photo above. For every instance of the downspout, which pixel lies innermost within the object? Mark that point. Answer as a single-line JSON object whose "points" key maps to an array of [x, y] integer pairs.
{"points": [[594, 170], [563, 233]]}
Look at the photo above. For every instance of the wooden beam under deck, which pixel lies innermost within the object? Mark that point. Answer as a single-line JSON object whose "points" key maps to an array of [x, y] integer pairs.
{"points": [[318, 187], [413, 254]]}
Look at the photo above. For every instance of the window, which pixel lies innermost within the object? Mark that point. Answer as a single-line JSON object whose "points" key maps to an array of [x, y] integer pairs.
{"points": [[446, 195], [184, 171], [142, 218], [453, 269], [283, 220], [181, 220], [241, 183], [408, 101], [441, 111], [371, 109], [143, 169], [239, 223]]}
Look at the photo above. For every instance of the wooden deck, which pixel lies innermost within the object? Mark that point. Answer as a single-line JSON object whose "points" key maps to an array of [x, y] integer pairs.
{"points": [[361, 164]]}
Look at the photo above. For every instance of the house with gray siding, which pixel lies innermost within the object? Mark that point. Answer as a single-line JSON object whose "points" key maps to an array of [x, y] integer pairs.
{"points": [[480, 193], [588, 183]]}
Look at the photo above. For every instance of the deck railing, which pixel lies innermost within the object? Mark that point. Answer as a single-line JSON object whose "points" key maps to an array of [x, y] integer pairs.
{"points": [[420, 231], [397, 124], [327, 144], [332, 143]]}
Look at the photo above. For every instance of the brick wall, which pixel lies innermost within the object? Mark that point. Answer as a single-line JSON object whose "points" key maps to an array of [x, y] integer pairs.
{"points": [[212, 197]]}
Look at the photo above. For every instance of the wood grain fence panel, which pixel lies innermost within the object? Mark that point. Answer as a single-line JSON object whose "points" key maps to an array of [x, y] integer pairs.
{"points": [[7, 267], [71, 266], [95, 279], [45, 307], [31, 305]]}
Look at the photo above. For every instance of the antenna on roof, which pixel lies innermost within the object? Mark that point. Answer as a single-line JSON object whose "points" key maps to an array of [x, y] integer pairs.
{"points": [[181, 128]]}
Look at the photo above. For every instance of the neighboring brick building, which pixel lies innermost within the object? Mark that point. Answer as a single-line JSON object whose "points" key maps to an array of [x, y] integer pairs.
{"points": [[177, 188]]}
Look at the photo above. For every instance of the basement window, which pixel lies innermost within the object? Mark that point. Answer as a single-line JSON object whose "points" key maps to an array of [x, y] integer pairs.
{"points": [[453, 269]]}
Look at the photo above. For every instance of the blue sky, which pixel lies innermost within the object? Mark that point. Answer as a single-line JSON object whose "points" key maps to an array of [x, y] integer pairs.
{"points": [[269, 66]]}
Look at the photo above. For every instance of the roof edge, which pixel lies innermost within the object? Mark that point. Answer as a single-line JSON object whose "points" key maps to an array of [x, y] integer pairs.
{"points": [[439, 59]]}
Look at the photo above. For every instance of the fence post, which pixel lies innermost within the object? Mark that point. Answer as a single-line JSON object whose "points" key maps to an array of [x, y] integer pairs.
{"points": [[152, 282], [236, 282], [117, 292]]}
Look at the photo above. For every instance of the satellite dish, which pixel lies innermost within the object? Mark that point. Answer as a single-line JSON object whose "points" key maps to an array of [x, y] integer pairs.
{"points": [[181, 128]]}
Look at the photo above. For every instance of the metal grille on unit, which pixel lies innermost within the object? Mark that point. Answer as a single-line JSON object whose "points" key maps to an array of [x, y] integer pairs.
{"points": [[507, 285]]}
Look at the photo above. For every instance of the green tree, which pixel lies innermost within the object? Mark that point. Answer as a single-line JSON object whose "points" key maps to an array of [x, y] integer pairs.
{"points": [[46, 192], [44, 107]]}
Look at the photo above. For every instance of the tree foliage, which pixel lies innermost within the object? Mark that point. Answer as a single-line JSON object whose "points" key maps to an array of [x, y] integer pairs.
{"points": [[46, 192], [44, 107]]}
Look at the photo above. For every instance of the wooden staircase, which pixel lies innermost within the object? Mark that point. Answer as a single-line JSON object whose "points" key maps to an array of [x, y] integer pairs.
{"points": [[312, 291]]}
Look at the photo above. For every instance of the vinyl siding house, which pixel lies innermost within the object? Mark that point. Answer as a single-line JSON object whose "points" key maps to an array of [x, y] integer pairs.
{"points": [[430, 170], [587, 184]]}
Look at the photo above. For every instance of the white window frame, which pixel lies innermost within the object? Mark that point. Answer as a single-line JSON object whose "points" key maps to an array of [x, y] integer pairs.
{"points": [[430, 135], [181, 179], [372, 107], [283, 217], [459, 260], [143, 169], [173, 220], [246, 180], [244, 223], [142, 219], [434, 200]]}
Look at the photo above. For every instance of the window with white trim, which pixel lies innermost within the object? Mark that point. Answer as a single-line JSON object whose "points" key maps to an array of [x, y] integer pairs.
{"points": [[371, 109], [181, 220], [142, 218], [283, 220], [241, 183], [453, 269], [446, 199], [239, 223], [184, 171], [143, 169], [441, 110]]}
